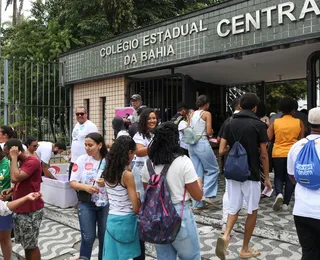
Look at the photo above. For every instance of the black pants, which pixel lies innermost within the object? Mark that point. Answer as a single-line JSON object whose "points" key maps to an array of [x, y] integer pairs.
{"points": [[281, 177], [308, 230]]}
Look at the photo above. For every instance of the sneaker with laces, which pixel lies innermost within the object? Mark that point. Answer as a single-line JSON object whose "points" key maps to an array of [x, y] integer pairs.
{"points": [[278, 203]]}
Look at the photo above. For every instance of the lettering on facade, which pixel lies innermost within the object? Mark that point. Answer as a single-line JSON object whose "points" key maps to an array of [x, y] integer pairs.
{"points": [[239, 24], [163, 37], [245, 22]]}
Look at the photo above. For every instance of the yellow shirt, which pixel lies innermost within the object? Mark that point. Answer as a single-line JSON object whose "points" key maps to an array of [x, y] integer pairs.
{"points": [[286, 131]]}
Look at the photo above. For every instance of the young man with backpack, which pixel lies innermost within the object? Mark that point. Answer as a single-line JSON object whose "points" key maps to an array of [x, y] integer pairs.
{"points": [[303, 166], [246, 135]]}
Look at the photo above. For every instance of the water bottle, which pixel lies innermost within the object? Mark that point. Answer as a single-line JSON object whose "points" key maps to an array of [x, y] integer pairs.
{"points": [[102, 198]]}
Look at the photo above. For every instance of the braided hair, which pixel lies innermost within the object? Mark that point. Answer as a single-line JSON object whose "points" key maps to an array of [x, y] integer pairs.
{"points": [[165, 146], [118, 159]]}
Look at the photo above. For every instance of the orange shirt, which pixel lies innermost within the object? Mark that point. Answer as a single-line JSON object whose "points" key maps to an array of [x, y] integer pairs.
{"points": [[286, 132]]}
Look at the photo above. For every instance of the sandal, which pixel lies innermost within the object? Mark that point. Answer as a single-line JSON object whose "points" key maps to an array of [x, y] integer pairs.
{"points": [[251, 253], [221, 248]]}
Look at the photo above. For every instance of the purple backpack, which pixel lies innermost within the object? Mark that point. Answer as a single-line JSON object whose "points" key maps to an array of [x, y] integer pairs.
{"points": [[159, 220]]}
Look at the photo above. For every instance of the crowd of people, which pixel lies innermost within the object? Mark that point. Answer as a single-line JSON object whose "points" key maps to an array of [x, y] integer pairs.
{"points": [[115, 181]]}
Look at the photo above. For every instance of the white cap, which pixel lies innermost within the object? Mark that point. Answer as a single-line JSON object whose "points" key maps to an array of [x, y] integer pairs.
{"points": [[314, 116]]}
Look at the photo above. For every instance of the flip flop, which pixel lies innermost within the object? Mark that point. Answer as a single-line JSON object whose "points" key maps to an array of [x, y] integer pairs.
{"points": [[221, 248], [251, 253]]}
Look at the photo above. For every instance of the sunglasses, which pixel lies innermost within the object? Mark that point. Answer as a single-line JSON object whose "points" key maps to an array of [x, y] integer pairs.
{"points": [[35, 146], [80, 114]]}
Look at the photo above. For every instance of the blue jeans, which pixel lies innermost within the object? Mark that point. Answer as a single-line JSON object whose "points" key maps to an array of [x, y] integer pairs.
{"points": [[89, 215], [137, 172], [281, 177], [204, 160], [187, 244]]}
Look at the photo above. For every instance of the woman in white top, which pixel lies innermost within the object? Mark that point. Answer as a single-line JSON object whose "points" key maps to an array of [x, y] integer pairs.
{"points": [[86, 179], [201, 153], [121, 239], [181, 175], [147, 122]]}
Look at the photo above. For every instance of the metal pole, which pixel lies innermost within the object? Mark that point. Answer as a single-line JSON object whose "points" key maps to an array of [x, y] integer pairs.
{"points": [[6, 90]]}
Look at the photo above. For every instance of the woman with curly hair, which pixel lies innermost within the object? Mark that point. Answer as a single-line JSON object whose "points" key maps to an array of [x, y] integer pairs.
{"points": [[181, 177], [147, 122], [121, 239], [86, 179]]}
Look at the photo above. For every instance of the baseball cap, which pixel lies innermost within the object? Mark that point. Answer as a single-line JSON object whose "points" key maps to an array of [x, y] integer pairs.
{"points": [[136, 97], [314, 116]]}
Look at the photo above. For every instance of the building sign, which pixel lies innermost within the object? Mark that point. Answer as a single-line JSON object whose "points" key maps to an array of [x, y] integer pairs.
{"points": [[220, 30], [236, 25], [161, 37]]}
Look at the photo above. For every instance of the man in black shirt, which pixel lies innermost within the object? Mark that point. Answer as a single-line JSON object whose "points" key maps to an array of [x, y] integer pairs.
{"points": [[254, 139]]}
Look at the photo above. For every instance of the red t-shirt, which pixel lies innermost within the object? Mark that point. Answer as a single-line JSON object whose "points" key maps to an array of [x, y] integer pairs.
{"points": [[31, 166]]}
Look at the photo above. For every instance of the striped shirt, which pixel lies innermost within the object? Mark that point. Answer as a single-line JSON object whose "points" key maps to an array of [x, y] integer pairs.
{"points": [[119, 201]]}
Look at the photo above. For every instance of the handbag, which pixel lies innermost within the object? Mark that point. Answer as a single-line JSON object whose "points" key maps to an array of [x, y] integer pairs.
{"points": [[84, 196]]}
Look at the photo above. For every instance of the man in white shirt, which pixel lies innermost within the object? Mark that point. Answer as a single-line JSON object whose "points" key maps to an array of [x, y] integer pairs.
{"points": [[306, 209], [44, 153], [81, 129]]}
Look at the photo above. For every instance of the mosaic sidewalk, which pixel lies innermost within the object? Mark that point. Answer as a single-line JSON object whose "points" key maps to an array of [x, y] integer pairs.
{"points": [[59, 242], [274, 235]]}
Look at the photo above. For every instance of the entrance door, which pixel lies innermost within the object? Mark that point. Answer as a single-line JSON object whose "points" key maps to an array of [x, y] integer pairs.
{"points": [[160, 93]]}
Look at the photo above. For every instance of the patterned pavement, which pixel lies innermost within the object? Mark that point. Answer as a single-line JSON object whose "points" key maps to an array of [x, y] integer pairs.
{"points": [[274, 236], [60, 242]]}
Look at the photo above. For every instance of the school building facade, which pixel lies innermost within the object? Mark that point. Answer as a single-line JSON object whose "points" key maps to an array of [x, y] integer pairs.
{"points": [[215, 51]]}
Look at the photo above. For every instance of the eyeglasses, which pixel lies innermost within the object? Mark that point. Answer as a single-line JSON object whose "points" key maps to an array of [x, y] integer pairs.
{"points": [[80, 114], [35, 146]]}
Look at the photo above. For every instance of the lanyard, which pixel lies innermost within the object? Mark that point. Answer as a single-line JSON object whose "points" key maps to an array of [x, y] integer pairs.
{"points": [[97, 172]]}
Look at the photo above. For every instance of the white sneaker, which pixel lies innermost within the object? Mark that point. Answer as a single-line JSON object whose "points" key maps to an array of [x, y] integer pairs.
{"points": [[278, 203], [286, 207]]}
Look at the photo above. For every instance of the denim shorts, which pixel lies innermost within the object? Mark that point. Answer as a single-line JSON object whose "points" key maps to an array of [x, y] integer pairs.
{"points": [[6, 222]]}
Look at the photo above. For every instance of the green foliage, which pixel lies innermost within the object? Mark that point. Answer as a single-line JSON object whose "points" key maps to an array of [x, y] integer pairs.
{"points": [[57, 26], [294, 89]]}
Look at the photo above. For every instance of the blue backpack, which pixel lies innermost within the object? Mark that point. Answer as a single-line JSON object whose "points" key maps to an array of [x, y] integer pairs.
{"points": [[307, 166], [236, 166], [159, 221]]}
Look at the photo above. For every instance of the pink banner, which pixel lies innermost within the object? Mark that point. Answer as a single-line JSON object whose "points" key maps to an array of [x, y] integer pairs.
{"points": [[123, 111]]}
